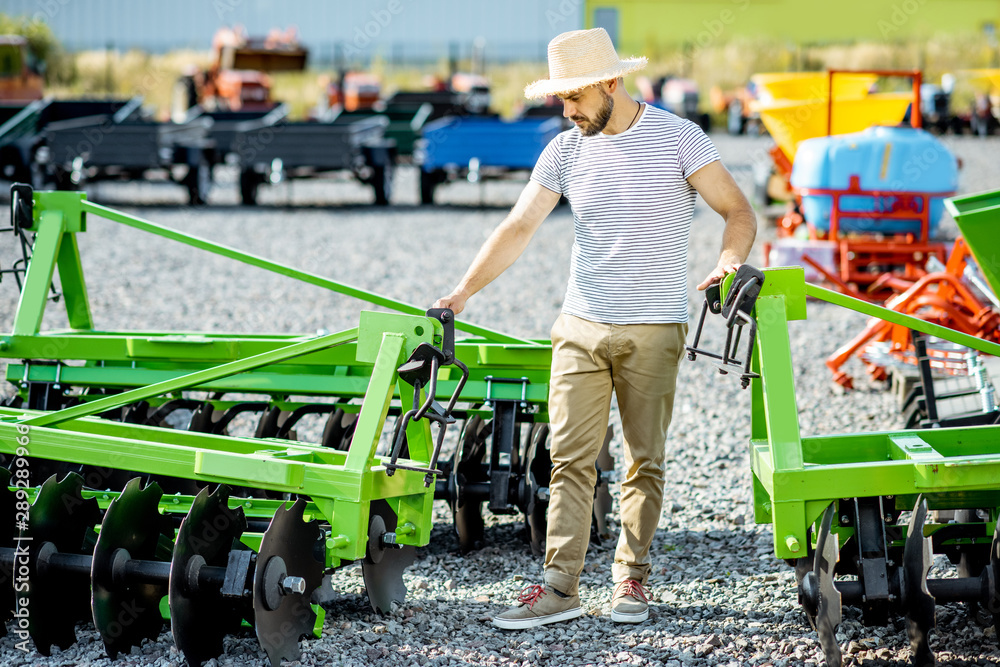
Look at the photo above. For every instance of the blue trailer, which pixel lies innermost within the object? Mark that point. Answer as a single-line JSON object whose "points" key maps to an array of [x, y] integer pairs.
{"points": [[476, 148]]}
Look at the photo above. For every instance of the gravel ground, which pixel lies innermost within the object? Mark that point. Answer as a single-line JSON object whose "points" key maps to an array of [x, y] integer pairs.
{"points": [[720, 596]]}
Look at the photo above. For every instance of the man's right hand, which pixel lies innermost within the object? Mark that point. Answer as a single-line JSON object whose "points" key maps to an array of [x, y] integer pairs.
{"points": [[454, 301]]}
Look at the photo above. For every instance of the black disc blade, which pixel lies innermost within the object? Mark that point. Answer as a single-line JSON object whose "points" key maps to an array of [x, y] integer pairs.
{"points": [[270, 422], [58, 599], [383, 566], [286, 550], [339, 429], [995, 565], [125, 613], [200, 619], [467, 468], [829, 611], [539, 473], [602, 494], [918, 604]]}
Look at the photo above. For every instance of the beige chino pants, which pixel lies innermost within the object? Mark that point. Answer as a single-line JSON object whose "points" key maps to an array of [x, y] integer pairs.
{"points": [[589, 361]]}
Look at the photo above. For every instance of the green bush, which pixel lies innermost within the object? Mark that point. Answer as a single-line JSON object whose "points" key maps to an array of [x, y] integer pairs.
{"points": [[45, 50]]}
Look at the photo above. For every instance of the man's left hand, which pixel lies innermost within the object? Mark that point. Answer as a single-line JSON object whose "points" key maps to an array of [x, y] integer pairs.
{"points": [[718, 274]]}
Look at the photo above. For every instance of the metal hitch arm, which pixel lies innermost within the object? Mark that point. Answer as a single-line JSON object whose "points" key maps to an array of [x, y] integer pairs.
{"points": [[421, 370], [736, 309]]}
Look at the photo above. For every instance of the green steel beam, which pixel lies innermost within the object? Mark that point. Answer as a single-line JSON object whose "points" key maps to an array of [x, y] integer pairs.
{"points": [[38, 279], [253, 508], [74, 287], [262, 382], [778, 383], [376, 405], [875, 478], [185, 349], [275, 267], [277, 469], [902, 319], [192, 379]]}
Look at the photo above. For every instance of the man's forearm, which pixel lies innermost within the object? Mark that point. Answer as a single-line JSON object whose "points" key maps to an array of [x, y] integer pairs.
{"points": [[738, 237]]}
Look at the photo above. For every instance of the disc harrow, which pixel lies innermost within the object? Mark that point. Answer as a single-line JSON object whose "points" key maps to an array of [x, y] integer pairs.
{"points": [[177, 512], [860, 516]]}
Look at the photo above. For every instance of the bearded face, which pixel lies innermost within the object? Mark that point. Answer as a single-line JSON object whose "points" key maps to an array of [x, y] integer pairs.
{"points": [[591, 126]]}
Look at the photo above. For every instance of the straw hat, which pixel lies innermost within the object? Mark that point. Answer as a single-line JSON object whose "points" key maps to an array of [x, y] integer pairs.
{"points": [[579, 59]]}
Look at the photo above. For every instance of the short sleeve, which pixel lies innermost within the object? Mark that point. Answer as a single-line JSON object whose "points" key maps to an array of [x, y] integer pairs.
{"points": [[694, 149], [548, 169]]}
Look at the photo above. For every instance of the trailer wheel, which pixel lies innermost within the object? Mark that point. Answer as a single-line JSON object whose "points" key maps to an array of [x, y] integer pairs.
{"points": [[40, 179], [198, 181], [62, 180], [382, 183], [12, 167], [976, 125], [248, 187], [705, 122], [428, 182]]}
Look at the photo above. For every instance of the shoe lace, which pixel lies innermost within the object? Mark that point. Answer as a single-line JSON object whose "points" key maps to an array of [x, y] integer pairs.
{"points": [[529, 595], [632, 588]]}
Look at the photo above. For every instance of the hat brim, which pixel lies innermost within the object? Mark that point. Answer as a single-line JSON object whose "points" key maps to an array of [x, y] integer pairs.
{"points": [[546, 87]]}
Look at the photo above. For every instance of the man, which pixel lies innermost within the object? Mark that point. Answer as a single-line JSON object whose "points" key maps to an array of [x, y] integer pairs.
{"points": [[631, 174]]}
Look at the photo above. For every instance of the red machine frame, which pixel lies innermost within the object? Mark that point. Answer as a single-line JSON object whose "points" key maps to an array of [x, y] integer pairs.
{"points": [[857, 254], [941, 297]]}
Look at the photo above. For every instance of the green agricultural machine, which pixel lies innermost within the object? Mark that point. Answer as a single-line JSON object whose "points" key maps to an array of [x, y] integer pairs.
{"points": [[127, 499], [859, 515]]}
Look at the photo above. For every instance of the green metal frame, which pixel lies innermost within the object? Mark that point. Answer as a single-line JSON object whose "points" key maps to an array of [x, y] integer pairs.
{"points": [[358, 364], [340, 484], [796, 478], [115, 359]]}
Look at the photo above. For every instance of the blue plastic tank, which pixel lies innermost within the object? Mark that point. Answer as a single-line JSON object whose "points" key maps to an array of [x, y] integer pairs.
{"points": [[886, 159]]}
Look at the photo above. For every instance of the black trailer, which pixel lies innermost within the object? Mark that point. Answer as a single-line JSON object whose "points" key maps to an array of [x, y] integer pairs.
{"points": [[226, 125], [444, 102], [128, 146], [270, 152], [406, 122], [10, 109], [22, 140]]}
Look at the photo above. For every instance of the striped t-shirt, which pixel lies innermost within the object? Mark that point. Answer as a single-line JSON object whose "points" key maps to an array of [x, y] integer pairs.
{"points": [[632, 210]]}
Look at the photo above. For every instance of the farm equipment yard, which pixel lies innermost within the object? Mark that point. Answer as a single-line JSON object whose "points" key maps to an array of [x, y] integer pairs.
{"points": [[720, 596]]}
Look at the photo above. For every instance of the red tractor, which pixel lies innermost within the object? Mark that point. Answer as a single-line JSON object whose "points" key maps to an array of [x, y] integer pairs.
{"points": [[238, 78]]}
